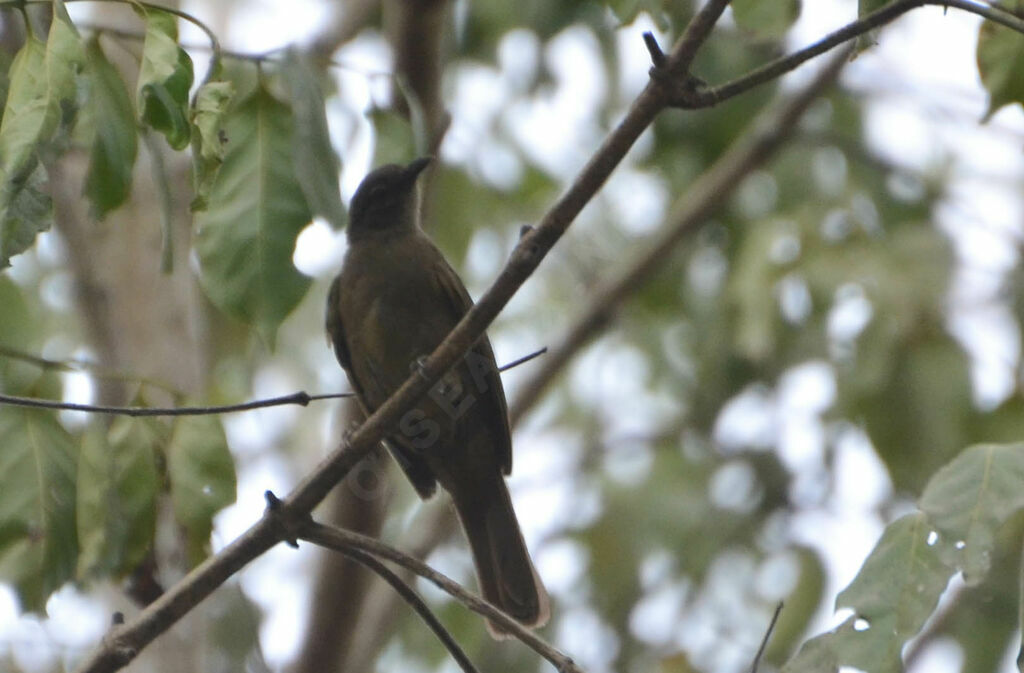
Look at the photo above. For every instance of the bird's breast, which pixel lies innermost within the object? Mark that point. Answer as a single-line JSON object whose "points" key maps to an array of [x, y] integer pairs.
{"points": [[393, 311]]}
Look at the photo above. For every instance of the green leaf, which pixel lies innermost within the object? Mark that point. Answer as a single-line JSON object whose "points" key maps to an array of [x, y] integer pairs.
{"points": [[38, 544], [165, 77], [42, 95], [18, 330], [919, 415], [118, 484], [6, 60], [316, 163], [895, 591], [109, 178], [1000, 56], [17, 327], [208, 141], [971, 497], [246, 238], [202, 476], [769, 18], [752, 292], [42, 99], [65, 59]]}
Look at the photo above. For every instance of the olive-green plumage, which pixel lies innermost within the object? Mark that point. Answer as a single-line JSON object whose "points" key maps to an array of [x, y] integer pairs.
{"points": [[394, 301]]}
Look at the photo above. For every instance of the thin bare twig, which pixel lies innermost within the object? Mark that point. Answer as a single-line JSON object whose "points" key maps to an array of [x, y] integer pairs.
{"points": [[713, 187], [341, 540], [414, 601], [767, 637], [301, 398], [523, 360]]}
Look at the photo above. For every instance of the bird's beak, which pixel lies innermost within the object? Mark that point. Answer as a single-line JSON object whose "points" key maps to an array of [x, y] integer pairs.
{"points": [[416, 167]]}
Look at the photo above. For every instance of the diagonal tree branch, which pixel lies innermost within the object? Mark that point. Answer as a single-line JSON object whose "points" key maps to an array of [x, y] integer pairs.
{"points": [[125, 641], [766, 135], [532, 248]]}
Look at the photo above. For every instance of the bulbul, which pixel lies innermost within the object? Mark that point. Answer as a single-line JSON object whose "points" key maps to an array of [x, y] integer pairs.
{"points": [[394, 301]]}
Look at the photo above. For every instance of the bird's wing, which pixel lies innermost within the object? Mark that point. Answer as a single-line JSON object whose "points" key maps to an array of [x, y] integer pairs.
{"points": [[494, 409], [336, 329], [414, 467]]}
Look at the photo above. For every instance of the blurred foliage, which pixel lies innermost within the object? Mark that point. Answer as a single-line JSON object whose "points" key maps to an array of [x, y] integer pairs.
{"points": [[681, 502]]}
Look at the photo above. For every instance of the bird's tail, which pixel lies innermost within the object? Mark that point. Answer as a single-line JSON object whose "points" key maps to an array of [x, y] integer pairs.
{"points": [[503, 566]]}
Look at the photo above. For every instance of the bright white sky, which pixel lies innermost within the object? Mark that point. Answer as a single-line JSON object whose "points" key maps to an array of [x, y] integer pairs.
{"points": [[925, 103]]}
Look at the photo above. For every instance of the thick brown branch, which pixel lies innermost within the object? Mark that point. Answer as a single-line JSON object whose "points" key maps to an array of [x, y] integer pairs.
{"points": [[705, 195]]}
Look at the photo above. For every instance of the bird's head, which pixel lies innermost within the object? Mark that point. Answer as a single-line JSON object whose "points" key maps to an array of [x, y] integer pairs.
{"points": [[386, 199]]}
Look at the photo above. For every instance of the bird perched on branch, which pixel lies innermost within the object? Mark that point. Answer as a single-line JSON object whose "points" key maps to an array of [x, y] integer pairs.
{"points": [[394, 301]]}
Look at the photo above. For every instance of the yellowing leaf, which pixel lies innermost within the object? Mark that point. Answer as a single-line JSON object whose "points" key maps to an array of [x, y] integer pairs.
{"points": [[165, 77]]}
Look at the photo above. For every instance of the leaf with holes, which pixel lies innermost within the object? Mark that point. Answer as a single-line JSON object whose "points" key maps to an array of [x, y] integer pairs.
{"points": [[970, 498], [895, 591]]}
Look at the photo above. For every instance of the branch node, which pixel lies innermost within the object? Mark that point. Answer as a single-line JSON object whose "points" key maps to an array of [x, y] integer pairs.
{"points": [[525, 230], [287, 522], [680, 91], [526, 251], [658, 57], [568, 665]]}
